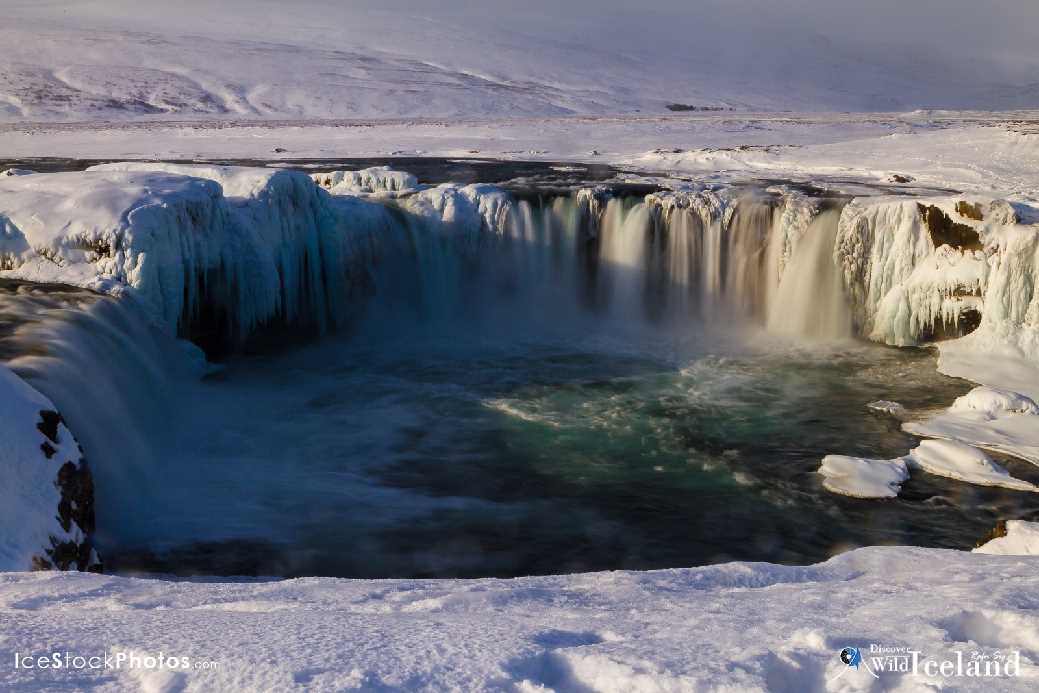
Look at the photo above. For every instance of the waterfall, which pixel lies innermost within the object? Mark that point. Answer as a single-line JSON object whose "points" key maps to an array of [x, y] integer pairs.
{"points": [[119, 379], [116, 379], [756, 259], [809, 299]]}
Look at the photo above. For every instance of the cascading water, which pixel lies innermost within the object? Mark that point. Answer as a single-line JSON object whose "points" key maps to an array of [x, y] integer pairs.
{"points": [[116, 378], [809, 299], [541, 388]]}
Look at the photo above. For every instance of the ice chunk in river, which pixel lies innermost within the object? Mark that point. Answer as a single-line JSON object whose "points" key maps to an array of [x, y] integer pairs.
{"points": [[863, 478]]}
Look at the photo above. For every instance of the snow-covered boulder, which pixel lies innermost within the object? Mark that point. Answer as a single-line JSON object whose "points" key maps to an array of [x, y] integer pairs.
{"points": [[47, 513], [875, 478], [884, 406]]}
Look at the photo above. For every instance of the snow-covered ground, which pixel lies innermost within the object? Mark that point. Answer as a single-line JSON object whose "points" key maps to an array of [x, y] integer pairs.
{"points": [[993, 154], [733, 627]]}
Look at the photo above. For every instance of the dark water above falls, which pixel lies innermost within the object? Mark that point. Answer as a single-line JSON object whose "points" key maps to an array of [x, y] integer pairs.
{"points": [[639, 391]]}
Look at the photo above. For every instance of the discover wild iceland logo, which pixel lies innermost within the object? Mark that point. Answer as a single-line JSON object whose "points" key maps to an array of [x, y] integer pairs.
{"points": [[879, 659]]}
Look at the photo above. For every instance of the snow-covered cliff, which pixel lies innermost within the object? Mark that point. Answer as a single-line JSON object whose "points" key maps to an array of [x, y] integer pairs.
{"points": [[205, 245], [47, 513], [917, 270]]}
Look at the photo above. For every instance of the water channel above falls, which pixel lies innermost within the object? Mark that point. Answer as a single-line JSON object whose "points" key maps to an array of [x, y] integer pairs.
{"points": [[649, 400]]}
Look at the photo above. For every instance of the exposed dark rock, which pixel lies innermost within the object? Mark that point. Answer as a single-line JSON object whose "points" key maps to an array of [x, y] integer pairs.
{"points": [[680, 107], [75, 511], [1000, 530], [48, 424], [945, 231], [901, 178], [970, 211]]}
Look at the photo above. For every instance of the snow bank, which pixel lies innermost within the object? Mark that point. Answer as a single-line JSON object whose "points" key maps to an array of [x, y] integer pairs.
{"points": [[47, 514], [724, 627], [863, 478], [1021, 539]]}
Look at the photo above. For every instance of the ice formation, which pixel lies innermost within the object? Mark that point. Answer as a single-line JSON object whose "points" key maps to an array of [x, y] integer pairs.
{"points": [[376, 179], [275, 246], [921, 269]]}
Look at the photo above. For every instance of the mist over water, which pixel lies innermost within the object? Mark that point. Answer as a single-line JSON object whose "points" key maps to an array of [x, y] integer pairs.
{"points": [[607, 385]]}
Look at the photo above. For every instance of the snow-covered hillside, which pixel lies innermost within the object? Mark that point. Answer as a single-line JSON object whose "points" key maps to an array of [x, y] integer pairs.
{"points": [[264, 59]]}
